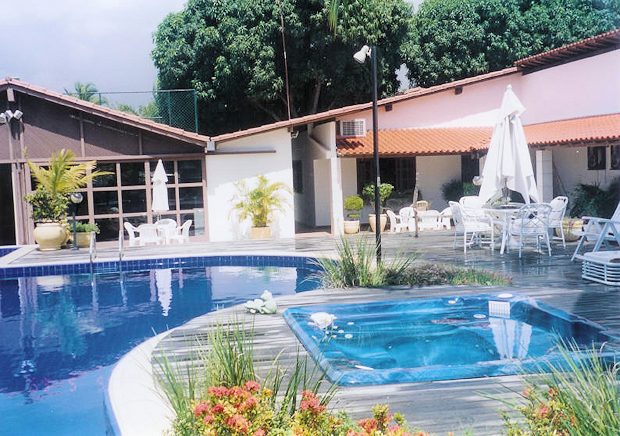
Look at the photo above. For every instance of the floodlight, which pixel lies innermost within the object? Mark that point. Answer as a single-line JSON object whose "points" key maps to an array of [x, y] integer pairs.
{"points": [[18, 114], [3, 118], [362, 54]]}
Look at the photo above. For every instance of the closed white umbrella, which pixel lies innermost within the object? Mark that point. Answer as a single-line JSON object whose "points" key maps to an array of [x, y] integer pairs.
{"points": [[160, 190], [512, 338], [163, 279], [508, 163]]}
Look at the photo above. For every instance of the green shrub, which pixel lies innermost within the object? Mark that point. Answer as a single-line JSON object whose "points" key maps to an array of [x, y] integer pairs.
{"points": [[47, 206], [357, 266], [455, 189], [353, 204], [385, 190], [84, 227], [578, 396], [591, 200]]}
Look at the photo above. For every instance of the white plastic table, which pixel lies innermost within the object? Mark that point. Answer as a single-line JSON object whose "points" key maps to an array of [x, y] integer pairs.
{"points": [[505, 214]]}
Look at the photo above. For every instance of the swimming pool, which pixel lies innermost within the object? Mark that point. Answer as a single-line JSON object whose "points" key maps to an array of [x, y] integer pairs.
{"points": [[437, 339], [61, 335]]}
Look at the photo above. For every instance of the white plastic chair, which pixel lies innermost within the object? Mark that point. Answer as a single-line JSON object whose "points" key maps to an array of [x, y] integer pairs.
{"points": [[473, 225], [131, 231], [556, 217], [428, 220], [149, 234], [407, 218], [444, 219], [396, 224], [472, 205], [531, 222], [182, 233], [594, 228], [167, 227], [422, 205]]}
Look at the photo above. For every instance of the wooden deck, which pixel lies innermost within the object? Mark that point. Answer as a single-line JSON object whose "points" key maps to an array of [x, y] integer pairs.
{"points": [[438, 407]]}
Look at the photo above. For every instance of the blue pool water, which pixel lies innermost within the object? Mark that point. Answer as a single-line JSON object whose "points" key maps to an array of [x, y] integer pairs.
{"points": [[61, 335], [437, 339]]}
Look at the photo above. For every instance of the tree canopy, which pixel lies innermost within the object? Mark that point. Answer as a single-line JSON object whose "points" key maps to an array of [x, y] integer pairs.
{"points": [[86, 91], [231, 52], [454, 39]]}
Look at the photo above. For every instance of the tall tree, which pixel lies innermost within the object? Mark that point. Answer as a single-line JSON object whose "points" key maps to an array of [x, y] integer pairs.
{"points": [[454, 39], [86, 91], [231, 52]]}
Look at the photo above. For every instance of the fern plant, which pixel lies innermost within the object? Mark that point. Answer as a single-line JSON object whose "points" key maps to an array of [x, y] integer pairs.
{"points": [[261, 202]]}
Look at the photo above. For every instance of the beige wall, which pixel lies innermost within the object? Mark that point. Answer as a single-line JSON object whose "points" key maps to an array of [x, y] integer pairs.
{"points": [[571, 167], [434, 172], [223, 171]]}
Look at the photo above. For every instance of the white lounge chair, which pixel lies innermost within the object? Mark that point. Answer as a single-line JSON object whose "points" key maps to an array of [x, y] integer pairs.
{"points": [[531, 222], [182, 233], [473, 225], [600, 230], [396, 224], [556, 217]]}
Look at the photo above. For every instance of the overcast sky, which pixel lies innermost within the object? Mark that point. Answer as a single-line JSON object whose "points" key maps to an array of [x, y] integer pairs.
{"points": [[55, 43], [107, 42]]}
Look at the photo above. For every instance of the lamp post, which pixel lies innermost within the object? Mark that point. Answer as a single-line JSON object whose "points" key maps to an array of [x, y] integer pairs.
{"points": [[76, 198], [360, 57]]}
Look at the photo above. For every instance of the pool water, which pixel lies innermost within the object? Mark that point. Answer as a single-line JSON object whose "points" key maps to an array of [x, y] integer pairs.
{"points": [[61, 335], [438, 339]]}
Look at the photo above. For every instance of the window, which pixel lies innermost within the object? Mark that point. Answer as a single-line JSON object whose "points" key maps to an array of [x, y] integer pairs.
{"points": [[615, 157], [399, 172], [298, 177], [596, 158], [469, 167]]}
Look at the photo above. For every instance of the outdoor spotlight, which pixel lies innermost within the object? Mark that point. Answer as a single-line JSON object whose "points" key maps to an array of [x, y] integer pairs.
{"points": [[3, 118], [17, 114], [76, 197], [362, 54], [477, 180]]}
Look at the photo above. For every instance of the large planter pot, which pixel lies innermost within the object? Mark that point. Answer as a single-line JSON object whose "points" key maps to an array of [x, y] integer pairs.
{"points": [[260, 232], [83, 239], [382, 220], [49, 236], [570, 226], [351, 227]]}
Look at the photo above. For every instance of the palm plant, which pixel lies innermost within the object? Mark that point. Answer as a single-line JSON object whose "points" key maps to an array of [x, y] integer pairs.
{"points": [[259, 203], [86, 91]]}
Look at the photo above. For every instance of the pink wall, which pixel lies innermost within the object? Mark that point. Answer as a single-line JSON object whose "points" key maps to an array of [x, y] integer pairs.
{"points": [[590, 86]]}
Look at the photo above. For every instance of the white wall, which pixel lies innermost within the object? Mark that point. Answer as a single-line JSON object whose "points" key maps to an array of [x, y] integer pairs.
{"points": [[571, 167], [322, 196], [223, 171], [434, 172]]}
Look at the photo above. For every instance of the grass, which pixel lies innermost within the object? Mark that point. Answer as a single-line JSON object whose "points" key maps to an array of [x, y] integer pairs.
{"points": [[357, 267]]}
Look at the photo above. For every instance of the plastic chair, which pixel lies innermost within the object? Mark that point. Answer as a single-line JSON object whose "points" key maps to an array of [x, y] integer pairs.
{"points": [[131, 231], [531, 222], [149, 234], [168, 227], [421, 205], [396, 224], [556, 217], [445, 217], [407, 218], [182, 233], [473, 225], [428, 220]]}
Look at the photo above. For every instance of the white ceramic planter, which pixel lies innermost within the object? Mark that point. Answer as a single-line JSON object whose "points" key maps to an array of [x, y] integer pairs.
{"points": [[49, 236]]}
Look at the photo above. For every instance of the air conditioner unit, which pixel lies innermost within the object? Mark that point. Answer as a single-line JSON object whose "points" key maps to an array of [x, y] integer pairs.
{"points": [[353, 127]]}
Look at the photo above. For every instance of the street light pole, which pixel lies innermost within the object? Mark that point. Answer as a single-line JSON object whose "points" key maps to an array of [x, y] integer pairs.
{"points": [[375, 151]]}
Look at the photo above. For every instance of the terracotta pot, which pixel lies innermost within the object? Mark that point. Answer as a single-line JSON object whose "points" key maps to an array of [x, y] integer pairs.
{"points": [[351, 227], [382, 220], [83, 239], [49, 236], [570, 227], [260, 232]]}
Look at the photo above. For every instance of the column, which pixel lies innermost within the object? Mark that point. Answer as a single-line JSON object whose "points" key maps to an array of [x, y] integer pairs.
{"points": [[544, 175]]}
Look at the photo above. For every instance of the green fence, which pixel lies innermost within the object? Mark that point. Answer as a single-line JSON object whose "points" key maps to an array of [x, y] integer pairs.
{"points": [[175, 107]]}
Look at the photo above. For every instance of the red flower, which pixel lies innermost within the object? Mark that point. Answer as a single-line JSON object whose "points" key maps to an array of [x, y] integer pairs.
{"points": [[259, 432], [208, 419], [248, 404], [218, 391], [369, 424], [217, 408], [552, 392], [543, 411], [238, 423], [252, 386], [310, 402], [201, 409]]}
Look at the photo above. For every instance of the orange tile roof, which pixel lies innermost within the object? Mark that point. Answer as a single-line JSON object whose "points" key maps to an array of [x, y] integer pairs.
{"points": [[607, 40], [112, 114], [458, 140]]}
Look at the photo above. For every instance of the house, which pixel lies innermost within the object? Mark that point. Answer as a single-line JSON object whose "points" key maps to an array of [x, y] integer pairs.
{"points": [[427, 136]]}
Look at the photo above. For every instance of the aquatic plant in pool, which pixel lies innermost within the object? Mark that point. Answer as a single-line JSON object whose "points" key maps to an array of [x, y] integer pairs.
{"points": [[61, 335], [438, 339]]}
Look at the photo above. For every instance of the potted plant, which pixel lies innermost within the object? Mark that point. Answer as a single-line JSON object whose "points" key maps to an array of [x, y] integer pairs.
{"points": [[572, 228], [49, 201], [385, 190], [352, 205], [83, 231], [259, 204]]}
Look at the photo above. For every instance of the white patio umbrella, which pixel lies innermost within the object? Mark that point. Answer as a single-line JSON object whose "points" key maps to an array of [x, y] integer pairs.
{"points": [[160, 190], [512, 338], [508, 163]]}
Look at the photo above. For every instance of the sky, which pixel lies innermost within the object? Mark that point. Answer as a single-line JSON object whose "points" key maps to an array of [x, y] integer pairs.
{"points": [[57, 43]]}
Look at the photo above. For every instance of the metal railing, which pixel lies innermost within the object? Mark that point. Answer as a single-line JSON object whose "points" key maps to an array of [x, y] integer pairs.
{"points": [[121, 249], [92, 250]]}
